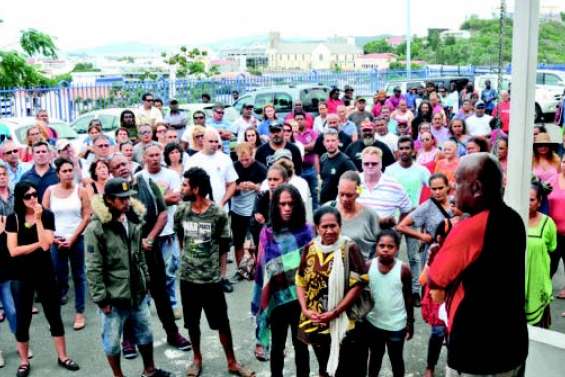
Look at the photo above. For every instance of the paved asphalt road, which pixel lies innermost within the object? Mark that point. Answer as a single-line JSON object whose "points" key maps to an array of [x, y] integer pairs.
{"points": [[85, 347]]}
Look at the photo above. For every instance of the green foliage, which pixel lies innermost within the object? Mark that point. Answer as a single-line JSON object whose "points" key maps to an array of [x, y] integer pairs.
{"points": [[402, 66], [377, 46], [85, 67], [483, 45], [34, 42], [15, 72], [188, 62]]}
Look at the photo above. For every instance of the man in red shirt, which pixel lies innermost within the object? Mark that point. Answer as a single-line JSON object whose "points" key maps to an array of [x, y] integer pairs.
{"points": [[502, 110]]}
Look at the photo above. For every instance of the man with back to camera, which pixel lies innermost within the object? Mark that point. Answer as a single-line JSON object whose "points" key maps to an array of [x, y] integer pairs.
{"points": [[480, 270]]}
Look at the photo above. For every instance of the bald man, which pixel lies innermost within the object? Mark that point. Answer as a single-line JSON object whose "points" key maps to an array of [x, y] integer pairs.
{"points": [[480, 267]]}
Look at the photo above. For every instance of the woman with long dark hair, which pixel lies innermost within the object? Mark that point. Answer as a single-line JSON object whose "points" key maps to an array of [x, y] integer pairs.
{"points": [[424, 116], [330, 278], [71, 206], [275, 303], [173, 158], [30, 236]]}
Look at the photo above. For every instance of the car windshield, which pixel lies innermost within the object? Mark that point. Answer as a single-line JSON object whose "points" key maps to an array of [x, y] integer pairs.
{"points": [[312, 97]]}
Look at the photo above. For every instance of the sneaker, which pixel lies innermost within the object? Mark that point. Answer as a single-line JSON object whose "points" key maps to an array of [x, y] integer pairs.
{"points": [[2, 362], [227, 285], [179, 342], [159, 373], [129, 351]]}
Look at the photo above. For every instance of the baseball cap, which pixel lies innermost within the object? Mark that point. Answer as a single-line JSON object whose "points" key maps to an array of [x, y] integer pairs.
{"points": [[480, 105], [118, 187], [248, 106], [282, 153], [275, 127], [347, 87], [62, 144]]}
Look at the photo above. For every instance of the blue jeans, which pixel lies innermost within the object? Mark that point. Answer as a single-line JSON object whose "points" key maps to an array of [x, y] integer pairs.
{"points": [[375, 341], [416, 260], [8, 304], [113, 326], [61, 259], [311, 176], [169, 246]]}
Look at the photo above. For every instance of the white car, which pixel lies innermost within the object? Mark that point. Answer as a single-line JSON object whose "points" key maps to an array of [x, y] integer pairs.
{"points": [[16, 129], [546, 98], [110, 119]]}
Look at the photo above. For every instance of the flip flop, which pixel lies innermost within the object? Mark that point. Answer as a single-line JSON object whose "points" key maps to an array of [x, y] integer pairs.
{"points": [[242, 371], [193, 370], [260, 354]]}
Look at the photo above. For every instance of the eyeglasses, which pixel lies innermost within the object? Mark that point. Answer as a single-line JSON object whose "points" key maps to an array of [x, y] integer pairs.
{"points": [[10, 152], [370, 163], [30, 195], [198, 117], [103, 146], [145, 132]]}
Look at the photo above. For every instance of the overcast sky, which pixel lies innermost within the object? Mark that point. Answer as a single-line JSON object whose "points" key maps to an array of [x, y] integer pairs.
{"points": [[86, 24]]}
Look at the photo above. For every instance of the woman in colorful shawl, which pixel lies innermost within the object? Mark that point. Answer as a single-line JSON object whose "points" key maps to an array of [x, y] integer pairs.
{"points": [[275, 302], [330, 279], [542, 239]]}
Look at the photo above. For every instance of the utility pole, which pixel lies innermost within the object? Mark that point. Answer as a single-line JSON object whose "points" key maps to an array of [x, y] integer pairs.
{"points": [[408, 39]]}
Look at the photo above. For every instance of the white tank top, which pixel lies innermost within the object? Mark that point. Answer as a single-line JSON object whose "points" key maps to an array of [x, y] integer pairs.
{"points": [[67, 213], [389, 311]]}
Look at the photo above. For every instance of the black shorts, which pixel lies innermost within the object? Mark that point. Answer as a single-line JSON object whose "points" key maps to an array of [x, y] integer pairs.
{"points": [[211, 298], [239, 228]]}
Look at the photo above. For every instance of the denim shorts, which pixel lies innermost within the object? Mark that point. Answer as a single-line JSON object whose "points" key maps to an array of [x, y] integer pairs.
{"points": [[113, 326]]}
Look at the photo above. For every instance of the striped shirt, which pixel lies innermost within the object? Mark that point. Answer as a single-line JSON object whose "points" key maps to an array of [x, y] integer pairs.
{"points": [[386, 198]]}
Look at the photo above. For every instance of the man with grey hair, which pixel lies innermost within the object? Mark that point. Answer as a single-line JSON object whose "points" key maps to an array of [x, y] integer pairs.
{"points": [[333, 164], [479, 270], [332, 121]]}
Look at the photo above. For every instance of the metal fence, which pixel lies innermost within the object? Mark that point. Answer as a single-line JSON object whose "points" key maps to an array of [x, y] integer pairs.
{"points": [[68, 101]]}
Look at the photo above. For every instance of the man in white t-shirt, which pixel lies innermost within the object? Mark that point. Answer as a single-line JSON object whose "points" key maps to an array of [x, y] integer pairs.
{"points": [[169, 183], [245, 121], [222, 178], [147, 113], [478, 124], [382, 134]]}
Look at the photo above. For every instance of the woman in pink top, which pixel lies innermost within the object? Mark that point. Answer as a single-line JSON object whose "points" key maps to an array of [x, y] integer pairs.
{"points": [[557, 212], [428, 153], [423, 127], [333, 101], [379, 101], [546, 162], [402, 114]]}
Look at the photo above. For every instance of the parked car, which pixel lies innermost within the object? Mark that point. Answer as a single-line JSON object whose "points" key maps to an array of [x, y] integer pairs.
{"points": [[16, 128], [230, 113], [405, 85], [546, 96], [284, 97]]}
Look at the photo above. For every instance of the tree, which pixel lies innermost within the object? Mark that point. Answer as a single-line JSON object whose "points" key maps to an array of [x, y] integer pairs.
{"points": [[377, 46], [34, 42], [85, 67], [187, 62], [16, 72]]}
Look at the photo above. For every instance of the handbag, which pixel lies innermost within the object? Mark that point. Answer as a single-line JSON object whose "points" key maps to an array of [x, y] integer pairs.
{"points": [[364, 303]]}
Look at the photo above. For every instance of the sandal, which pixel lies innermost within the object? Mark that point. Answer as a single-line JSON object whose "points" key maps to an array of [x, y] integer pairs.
{"points": [[242, 371], [23, 370], [68, 364], [193, 370], [260, 354]]}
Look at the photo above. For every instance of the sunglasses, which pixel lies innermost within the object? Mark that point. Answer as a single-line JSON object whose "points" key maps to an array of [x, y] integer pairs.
{"points": [[30, 195], [145, 132], [198, 136], [370, 163], [103, 146], [198, 117], [10, 152]]}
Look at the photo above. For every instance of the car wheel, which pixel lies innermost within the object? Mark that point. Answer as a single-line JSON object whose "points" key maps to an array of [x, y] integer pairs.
{"points": [[538, 117]]}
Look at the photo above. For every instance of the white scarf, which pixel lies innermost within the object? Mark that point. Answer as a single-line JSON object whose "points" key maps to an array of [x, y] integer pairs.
{"points": [[336, 289]]}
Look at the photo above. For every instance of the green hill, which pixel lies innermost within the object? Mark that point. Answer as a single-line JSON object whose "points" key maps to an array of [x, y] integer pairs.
{"points": [[481, 48]]}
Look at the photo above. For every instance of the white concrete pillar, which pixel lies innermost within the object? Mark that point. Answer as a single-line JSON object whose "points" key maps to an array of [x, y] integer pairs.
{"points": [[524, 63]]}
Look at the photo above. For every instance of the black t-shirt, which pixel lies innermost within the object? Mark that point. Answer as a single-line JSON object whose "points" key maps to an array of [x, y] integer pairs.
{"points": [[344, 141], [256, 172], [264, 155], [37, 260], [355, 149], [331, 170]]}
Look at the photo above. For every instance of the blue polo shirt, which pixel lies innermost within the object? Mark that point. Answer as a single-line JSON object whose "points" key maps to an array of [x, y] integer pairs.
{"points": [[41, 182], [223, 125]]}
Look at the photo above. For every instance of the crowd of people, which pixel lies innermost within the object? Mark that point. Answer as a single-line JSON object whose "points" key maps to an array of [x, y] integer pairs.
{"points": [[315, 207]]}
